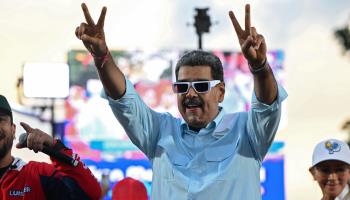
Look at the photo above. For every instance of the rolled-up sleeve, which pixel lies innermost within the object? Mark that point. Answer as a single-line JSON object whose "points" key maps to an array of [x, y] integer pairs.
{"points": [[263, 121]]}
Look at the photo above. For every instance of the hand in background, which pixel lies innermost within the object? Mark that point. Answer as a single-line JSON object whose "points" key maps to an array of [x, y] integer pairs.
{"points": [[92, 34], [252, 44]]}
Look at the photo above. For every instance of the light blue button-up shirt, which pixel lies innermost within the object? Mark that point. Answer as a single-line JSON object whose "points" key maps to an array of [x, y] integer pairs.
{"points": [[221, 162]]}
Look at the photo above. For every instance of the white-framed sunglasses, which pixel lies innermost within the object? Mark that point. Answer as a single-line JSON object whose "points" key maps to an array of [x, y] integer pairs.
{"points": [[198, 86]]}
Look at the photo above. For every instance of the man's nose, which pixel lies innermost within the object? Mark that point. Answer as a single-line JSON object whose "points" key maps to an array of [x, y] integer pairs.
{"points": [[333, 175], [191, 92]]}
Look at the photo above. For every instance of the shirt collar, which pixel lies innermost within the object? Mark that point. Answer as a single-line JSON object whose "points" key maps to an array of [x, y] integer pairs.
{"points": [[223, 124], [218, 118], [343, 194]]}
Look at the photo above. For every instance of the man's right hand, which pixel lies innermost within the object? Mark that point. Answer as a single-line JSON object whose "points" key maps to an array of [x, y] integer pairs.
{"points": [[92, 34]]}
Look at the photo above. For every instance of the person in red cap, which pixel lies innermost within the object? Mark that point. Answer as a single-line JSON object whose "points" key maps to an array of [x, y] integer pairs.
{"points": [[39, 180], [331, 169], [129, 189]]}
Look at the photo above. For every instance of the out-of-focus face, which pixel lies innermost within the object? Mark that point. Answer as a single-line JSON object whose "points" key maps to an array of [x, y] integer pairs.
{"points": [[7, 134], [199, 109], [332, 176]]}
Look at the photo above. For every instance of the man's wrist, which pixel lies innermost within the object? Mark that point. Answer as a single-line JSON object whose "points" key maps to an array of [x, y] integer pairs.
{"points": [[261, 68], [101, 60]]}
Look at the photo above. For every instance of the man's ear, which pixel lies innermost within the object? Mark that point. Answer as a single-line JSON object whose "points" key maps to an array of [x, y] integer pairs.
{"points": [[312, 172], [13, 130], [221, 92]]}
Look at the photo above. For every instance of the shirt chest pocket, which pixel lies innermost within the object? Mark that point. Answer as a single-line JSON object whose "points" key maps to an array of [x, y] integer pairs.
{"points": [[178, 159], [168, 163], [219, 161]]}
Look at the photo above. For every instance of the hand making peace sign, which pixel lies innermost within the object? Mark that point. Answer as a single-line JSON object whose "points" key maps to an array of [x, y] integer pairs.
{"points": [[92, 34], [252, 44]]}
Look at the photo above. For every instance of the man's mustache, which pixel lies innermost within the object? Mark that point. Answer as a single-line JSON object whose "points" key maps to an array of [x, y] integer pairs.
{"points": [[193, 102]]}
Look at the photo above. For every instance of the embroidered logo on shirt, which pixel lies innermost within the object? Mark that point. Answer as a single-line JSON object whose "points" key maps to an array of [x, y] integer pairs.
{"points": [[19, 192], [332, 147]]}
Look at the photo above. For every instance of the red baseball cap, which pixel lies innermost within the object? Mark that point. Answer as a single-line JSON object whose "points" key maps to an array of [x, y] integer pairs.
{"points": [[129, 189]]}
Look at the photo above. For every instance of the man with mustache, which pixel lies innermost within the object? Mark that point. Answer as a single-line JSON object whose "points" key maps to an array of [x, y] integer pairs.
{"points": [[38, 180], [209, 154]]}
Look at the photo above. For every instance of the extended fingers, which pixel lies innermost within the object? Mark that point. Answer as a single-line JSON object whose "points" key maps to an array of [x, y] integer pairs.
{"points": [[26, 127], [87, 15], [247, 19], [247, 25], [101, 20], [235, 24]]}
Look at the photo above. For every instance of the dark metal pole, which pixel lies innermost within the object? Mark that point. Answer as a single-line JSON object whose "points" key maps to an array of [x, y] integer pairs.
{"points": [[199, 41]]}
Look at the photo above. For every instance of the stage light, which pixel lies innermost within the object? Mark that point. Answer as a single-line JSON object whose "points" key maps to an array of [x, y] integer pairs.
{"points": [[46, 80]]}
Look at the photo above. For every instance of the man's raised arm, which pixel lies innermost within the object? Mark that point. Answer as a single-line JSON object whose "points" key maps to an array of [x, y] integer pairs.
{"points": [[93, 38], [254, 50]]}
